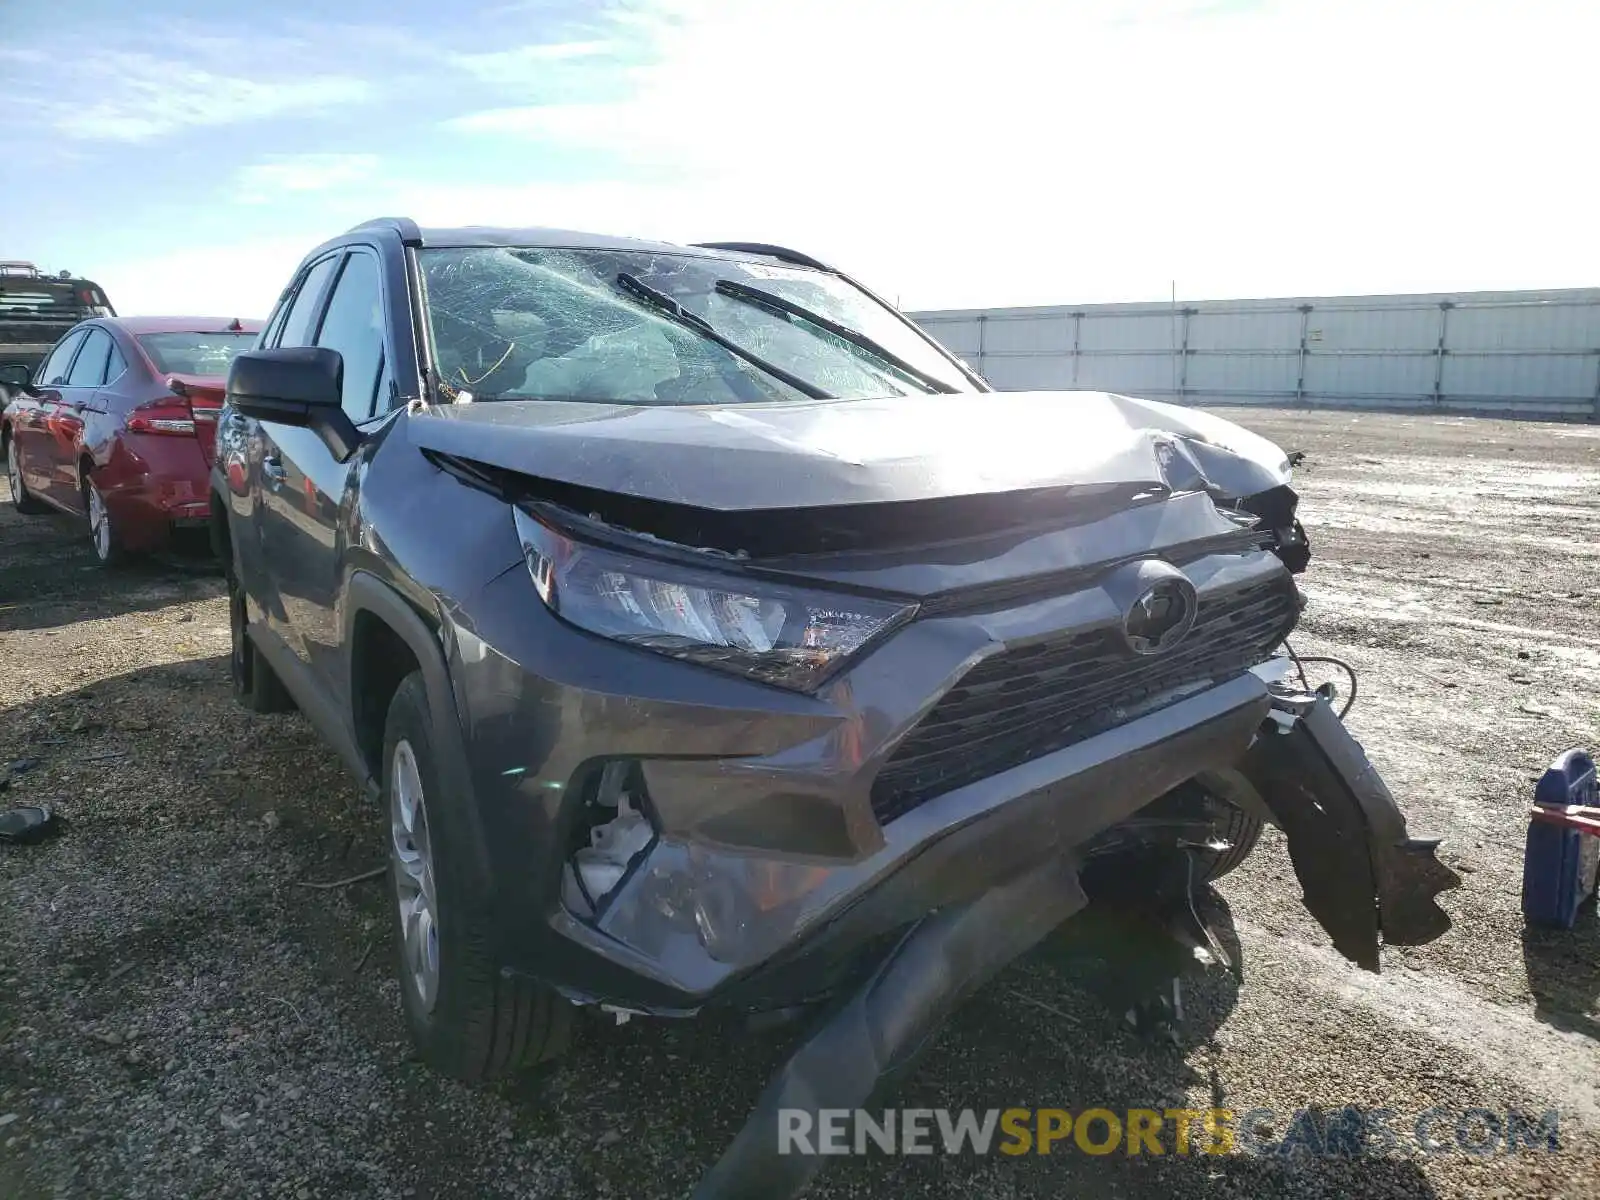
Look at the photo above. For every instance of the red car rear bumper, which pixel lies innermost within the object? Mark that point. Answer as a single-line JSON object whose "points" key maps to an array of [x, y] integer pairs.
{"points": [[152, 484]]}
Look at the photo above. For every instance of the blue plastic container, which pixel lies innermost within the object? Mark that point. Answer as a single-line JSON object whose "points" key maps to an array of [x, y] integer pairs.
{"points": [[1559, 866]]}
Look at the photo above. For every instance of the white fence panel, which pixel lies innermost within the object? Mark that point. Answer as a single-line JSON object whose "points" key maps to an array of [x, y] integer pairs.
{"points": [[1513, 353]]}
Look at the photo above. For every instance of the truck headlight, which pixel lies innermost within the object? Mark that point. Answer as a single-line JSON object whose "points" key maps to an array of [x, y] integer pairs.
{"points": [[792, 637]]}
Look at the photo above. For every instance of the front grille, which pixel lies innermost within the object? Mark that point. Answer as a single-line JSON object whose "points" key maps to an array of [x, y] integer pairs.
{"points": [[1025, 702]]}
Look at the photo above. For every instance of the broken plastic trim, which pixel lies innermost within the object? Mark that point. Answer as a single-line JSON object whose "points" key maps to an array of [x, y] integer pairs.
{"points": [[1364, 877], [27, 824], [873, 1036], [1282, 533], [611, 834]]}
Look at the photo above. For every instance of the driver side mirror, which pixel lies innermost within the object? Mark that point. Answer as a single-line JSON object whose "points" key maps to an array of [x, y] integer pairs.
{"points": [[302, 386], [18, 375]]}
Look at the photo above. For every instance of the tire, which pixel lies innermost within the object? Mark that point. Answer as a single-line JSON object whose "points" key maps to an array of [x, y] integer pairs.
{"points": [[1237, 813], [468, 1020], [104, 537], [255, 684], [1205, 800], [24, 500], [1242, 830]]}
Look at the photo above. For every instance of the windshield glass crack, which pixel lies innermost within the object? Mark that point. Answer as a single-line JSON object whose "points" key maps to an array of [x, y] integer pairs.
{"points": [[556, 324]]}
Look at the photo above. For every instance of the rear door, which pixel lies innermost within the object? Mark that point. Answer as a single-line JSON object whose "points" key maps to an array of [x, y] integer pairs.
{"points": [[74, 406], [303, 534]]}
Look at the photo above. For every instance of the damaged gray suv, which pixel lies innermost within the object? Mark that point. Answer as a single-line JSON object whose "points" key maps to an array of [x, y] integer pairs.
{"points": [[714, 639]]}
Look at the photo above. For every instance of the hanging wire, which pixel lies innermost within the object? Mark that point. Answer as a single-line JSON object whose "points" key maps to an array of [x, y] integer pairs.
{"points": [[1300, 662]]}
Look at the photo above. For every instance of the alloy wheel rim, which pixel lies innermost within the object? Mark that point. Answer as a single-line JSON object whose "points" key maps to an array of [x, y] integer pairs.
{"points": [[99, 522], [411, 853], [14, 471]]}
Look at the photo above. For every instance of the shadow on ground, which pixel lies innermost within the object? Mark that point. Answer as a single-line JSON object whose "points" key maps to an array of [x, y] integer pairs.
{"points": [[1564, 973], [51, 577]]}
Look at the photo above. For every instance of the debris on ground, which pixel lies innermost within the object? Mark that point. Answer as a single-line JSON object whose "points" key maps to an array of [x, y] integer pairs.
{"points": [[28, 824], [1540, 710]]}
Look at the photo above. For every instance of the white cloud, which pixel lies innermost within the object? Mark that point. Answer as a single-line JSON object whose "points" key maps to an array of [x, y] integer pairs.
{"points": [[151, 98], [1023, 152], [262, 182], [521, 65], [241, 279], [188, 79]]}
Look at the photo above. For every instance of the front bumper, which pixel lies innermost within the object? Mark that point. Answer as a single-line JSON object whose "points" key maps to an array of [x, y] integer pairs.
{"points": [[770, 869], [703, 916]]}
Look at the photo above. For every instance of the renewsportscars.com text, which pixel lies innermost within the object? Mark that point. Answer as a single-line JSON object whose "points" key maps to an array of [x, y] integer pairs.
{"points": [[1344, 1132]]}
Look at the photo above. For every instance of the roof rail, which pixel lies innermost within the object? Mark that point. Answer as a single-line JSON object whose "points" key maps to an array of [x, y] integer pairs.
{"points": [[14, 266], [787, 255], [404, 226]]}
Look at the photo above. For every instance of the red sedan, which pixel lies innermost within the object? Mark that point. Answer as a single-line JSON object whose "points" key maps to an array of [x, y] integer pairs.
{"points": [[118, 426]]}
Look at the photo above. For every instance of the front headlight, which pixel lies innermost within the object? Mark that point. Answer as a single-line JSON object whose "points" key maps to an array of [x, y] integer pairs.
{"points": [[791, 637]]}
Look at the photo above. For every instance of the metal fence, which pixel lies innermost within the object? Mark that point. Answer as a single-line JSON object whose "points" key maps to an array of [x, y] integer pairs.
{"points": [[1534, 354]]}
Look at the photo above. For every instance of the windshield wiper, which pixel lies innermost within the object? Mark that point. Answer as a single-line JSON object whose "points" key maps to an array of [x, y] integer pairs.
{"points": [[776, 303], [664, 303]]}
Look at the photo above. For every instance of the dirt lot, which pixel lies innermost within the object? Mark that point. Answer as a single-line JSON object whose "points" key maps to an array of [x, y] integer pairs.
{"points": [[179, 1016]]}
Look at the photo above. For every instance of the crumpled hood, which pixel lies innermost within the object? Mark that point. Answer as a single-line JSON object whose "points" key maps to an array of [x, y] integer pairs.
{"points": [[834, 452]]}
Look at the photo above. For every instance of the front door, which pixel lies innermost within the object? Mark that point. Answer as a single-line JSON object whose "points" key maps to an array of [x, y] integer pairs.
{"points": [[310, 517], [36, 425], [272, 454], [75, 400]]}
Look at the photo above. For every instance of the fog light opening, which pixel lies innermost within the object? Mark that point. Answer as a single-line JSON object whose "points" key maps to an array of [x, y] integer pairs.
{"points": [[612, 832]]}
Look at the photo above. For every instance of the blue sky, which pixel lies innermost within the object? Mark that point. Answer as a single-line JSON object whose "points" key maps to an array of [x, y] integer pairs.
{"points": [[997, 152]]}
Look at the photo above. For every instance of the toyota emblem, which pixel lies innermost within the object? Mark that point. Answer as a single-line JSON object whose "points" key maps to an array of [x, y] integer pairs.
{"points": [[1161, 617]]}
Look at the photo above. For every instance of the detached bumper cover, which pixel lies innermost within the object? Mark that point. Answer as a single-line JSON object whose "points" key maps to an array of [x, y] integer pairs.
{"points": [[873, 1036], [1364, 877]]}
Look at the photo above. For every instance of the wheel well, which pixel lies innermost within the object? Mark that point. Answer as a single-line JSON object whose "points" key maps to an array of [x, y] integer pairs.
{"points": [[85, 466], [379, 660]]}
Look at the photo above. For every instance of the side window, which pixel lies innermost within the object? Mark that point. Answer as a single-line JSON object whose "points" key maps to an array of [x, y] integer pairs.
{"points": [[354, 327], [301, 316], [269, 334], [115, 365], [54, 371], [382, 396], [90, 368]]}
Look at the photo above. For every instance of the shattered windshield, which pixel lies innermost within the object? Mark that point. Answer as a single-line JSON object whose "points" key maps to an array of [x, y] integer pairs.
{"points": [[552, 324]]}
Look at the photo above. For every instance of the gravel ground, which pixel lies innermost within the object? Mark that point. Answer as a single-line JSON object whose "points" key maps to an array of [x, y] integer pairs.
{"points": [[180, 1016]]}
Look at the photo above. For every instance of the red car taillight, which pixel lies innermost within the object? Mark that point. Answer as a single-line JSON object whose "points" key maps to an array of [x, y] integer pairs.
{"points": [[164, 416]]}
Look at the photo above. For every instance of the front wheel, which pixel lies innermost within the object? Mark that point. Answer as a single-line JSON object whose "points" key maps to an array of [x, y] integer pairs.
{"points": [[468, 1019], [24, 500]]}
